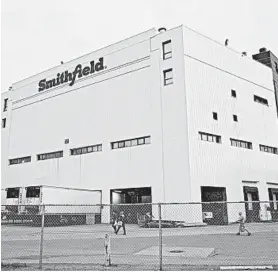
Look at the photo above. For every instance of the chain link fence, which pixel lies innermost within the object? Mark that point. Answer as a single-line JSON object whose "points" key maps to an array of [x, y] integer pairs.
{"points": [[169, 236]]}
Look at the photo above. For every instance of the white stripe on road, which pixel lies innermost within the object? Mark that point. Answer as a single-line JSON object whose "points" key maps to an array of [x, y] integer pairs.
{"points": [[246, 267]]}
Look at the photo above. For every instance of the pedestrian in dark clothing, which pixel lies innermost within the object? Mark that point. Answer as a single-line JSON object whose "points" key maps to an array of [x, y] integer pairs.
{"points": [[121, 222], [114, 221]]}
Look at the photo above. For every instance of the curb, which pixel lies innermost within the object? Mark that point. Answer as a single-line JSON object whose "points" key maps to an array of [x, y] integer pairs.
{"points": [[247, 267]]}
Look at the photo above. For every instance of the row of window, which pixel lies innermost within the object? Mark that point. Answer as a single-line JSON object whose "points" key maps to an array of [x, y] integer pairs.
{"points": [[210, 137], [52, 155], [131, 142], [84, 150], [242, 144], [269, 149], [20, 160], [236, 143]]}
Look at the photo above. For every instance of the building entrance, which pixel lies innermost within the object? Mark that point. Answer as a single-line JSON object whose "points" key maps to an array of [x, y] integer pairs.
{"points": [[131, 196], [252, 209], [214, 213], [273, 197]]}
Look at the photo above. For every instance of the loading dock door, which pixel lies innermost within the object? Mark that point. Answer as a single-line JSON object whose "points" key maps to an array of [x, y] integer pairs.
{"points": [[252, 209], [131, 196], [214, 213], [273, 197]]}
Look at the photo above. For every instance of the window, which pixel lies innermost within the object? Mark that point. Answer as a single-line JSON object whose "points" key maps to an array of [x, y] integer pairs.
{"points": [[260, 100], [233, 93], [131, 142], [241, 144], [20, 160], [215, 117], [4, 122], [148, 140], [276, 67], [134, 142], [141, 141], [33, 192], [235, 118], [127, 143], [269, 149], [121, 144], [168, 77], [167, 50], [49, 156], [5, 104], [12, 192], [86, 149], [210, 137]]}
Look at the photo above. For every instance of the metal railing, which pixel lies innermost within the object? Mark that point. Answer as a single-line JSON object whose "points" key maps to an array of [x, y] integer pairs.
{"points": [[157, 236]]}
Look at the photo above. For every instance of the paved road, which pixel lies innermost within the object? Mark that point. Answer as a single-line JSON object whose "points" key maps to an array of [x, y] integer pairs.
{"points": [[84, 245]]}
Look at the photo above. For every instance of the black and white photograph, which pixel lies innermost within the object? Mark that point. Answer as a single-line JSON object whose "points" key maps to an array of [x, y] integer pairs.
{"points": [[139, 135]]}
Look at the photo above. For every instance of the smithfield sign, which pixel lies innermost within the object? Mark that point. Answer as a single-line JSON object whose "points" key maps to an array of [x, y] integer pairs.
{"points": [[71, 77]]}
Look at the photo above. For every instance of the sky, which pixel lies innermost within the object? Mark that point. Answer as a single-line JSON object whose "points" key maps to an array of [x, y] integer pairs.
{"points": [[38, 34]]}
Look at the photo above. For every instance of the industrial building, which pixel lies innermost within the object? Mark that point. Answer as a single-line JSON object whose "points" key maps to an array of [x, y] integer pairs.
{"points": [[163, 116]]}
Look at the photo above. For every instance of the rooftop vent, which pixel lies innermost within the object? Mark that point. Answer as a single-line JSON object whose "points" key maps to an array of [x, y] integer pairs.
{"points": [[263, 49], [162, 29]]}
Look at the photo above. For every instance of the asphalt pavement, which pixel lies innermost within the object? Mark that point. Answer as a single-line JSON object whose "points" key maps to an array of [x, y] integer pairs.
{"points": [[83, 246]]}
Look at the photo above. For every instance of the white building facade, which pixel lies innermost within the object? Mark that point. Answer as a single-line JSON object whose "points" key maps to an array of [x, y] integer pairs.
{"points": [[168, 116]]}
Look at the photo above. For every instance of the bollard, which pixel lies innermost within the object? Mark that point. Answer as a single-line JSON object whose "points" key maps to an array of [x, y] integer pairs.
{"points": [[107, 247]]}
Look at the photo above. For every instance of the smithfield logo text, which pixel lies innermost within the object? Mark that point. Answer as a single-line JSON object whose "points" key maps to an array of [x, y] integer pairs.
{"points": [[71, 77]]}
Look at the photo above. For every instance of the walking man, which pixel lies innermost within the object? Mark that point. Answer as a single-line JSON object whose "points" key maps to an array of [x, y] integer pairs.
{"points": [[121, 222], [114, 221], [241, 221]]}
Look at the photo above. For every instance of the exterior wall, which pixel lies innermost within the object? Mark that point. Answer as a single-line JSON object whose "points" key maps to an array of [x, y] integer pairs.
{"points": [[174, 127], [113, 105], [128, 100], [5, 132], [211, 71]]}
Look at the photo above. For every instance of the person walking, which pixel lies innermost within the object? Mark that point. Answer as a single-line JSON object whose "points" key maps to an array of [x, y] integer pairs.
{"points": [[114, 221], [121, 222], [241, 221]]}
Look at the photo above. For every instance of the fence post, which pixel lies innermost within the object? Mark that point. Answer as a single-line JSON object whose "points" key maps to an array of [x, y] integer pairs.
{"points": [[41, 243], [107, 246], [160, 237]]}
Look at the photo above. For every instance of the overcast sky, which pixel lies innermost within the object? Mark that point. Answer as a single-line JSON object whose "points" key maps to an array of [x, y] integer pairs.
{"points": [[38, 34]]}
